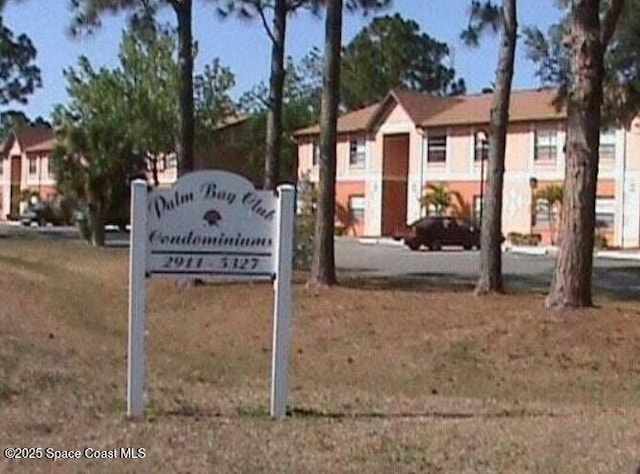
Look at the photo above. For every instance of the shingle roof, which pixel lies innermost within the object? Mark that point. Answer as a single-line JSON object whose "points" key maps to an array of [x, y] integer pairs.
{"points": [[231, 120], [350, 122], [525, 105], [419, 106], [32, 138], [427, 110]]}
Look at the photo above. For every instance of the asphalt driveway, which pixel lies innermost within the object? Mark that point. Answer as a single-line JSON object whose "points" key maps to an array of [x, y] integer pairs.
{"points": [[619, 278]]}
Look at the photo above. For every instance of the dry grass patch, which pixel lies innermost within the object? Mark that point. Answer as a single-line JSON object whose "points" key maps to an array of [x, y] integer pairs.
{"points": [[386, 376]]}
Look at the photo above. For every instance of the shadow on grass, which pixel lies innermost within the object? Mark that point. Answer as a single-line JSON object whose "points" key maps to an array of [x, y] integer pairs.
{"points": [[438, 282], [621, 283], [445, 415], [312, 413]]}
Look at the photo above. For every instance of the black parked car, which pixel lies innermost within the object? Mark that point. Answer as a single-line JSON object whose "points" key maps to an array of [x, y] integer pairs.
{"points": [[41, 213], [437, 231]]}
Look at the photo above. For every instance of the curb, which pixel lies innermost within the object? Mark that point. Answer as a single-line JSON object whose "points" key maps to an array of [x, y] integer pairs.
{"points": [[382, 241], [616, 255], [530, 250]]}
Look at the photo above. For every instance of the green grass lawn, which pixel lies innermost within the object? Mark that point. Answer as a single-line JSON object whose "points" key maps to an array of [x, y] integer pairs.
{"points": [[384, 378]]}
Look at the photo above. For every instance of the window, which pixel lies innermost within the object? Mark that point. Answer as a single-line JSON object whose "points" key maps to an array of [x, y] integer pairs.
{"points": [[480, 148], [172, 161], [33, 165], [437, 148], [159, 162], [608, 144], [605, 212], [356, 208], [543, 211], [546, 145], [315, 158], [357, 153]]}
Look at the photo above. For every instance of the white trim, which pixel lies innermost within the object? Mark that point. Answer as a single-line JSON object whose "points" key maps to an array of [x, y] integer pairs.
{"points": [[394, 128], [619, 172], [448, 154], [471, 148], [532, 148], [561, 154]]}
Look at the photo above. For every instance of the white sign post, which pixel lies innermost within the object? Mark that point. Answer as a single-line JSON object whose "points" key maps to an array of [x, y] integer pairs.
{"points": [[137, 287], [282, 301], [213, 225]]}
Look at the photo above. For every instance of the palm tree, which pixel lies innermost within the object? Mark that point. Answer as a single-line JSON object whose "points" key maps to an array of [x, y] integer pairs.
{"points": [[438, 197], [461, 208], [552, 196]]}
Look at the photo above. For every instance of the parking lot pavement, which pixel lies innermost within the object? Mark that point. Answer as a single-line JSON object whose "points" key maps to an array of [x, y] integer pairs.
{"points": [[12, 229], [620, 278]]}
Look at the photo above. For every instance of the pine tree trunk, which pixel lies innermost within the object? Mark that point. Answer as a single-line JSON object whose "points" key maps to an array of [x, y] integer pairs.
{"points": [[491, 232], [571, 282], [276, 90], [185, 88], [323, 268]]}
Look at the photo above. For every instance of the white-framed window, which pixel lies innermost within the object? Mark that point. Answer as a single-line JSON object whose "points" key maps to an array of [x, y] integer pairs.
{"points": [[157, 161], [608, 144], [605, 212], [33, 165], [357, 207], [437, 147], [480, 148], [545, 145], [357, 153], [315, 153], [172, 161], [543, 212]]}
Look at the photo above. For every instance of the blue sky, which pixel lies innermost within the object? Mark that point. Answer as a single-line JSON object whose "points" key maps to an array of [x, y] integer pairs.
{"points": [[245, 48]]}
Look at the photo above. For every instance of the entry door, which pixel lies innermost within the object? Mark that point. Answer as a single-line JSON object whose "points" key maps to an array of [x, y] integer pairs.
{"points": [[395, 170], [14, 198]]}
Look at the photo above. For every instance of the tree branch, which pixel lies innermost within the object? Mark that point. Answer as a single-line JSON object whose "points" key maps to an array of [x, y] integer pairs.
{"points": [[610, 21], [260, 9], [295, 4]]}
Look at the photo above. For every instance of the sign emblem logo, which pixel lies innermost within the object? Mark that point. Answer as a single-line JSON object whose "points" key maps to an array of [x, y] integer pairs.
{"points": [[212, 217]]}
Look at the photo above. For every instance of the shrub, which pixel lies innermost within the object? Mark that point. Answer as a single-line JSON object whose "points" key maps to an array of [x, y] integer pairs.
{"points": [[515, 238], [305, 224], [599, 241], [531, 239]]}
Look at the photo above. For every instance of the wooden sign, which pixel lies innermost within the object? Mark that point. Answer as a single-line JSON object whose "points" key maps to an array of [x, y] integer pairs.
{"points": [[211, 225]]}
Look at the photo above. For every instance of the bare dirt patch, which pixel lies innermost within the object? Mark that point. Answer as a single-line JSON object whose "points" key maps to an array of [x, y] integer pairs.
{"points": [[386, 376]]}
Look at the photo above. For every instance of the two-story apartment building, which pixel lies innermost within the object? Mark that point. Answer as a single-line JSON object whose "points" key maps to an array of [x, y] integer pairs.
{"points": [[25, 162], [25, 170], [24, 167], [389, 152]]}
